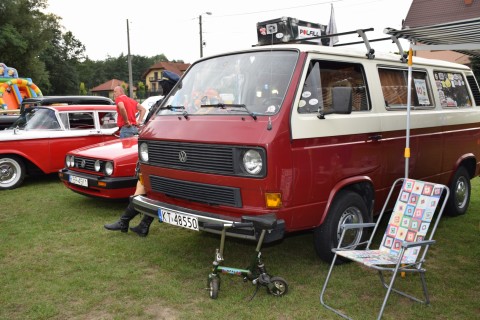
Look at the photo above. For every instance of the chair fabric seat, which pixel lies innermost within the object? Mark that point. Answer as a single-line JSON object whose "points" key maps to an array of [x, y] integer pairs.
{"points": [[373, 257]]}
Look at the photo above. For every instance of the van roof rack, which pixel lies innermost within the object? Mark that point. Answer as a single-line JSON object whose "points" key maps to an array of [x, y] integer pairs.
{"points": [[361, 33]]}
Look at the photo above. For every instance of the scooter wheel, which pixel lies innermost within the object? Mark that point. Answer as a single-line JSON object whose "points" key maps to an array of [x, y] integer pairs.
{"points": [[277, 287], [213, 286]]}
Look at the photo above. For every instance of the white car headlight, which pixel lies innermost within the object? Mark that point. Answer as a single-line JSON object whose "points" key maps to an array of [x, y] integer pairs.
{"points": [[143, 152], [108, 168], [252, 161], [70, 161], [98, 165]]}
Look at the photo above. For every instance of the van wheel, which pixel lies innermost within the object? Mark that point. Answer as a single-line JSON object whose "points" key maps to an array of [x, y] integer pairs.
{"points": [[460, 189], [347, 207], [12, 172]]}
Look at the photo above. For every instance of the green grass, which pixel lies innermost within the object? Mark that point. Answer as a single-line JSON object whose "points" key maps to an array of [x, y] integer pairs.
{"points": [[58, 262]]}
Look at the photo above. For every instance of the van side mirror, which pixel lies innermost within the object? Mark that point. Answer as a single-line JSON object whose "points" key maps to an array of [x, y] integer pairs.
{"points": [[341, 101]]}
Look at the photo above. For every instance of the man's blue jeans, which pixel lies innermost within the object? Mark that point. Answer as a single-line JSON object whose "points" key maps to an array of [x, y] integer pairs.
{"points": [[127, 132]]}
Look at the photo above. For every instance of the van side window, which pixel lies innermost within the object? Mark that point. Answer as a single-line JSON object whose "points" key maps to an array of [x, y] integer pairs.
{"points": [[323, 76], [395, 87], [452, 89]]}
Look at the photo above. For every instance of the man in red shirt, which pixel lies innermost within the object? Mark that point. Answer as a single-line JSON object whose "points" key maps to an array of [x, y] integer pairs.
{"points": [[127, 109]]}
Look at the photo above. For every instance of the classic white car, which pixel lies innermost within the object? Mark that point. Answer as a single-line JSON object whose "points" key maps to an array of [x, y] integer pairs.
{"points": [[38, 141]]}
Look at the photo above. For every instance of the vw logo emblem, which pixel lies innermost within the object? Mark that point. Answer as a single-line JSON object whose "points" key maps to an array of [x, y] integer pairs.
{"points": [[182, 156], [82, 164]]}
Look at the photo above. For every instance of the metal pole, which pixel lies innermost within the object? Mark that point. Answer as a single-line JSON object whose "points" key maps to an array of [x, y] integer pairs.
{"points": [[201, 40], [409, 104], [129, 59]]}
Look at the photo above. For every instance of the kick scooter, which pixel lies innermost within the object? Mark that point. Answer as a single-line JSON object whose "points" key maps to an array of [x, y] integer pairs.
{"points": [[256, 273]]}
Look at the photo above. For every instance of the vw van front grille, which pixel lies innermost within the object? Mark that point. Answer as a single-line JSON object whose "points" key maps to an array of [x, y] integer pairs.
{"points": [[192, 157], [198, 192]]}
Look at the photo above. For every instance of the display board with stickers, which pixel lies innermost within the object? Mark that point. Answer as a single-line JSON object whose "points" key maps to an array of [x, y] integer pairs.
{"points": [[452, 89]]}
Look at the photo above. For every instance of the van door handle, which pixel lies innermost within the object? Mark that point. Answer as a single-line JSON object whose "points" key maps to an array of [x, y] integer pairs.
{"points": [[375, 137]]}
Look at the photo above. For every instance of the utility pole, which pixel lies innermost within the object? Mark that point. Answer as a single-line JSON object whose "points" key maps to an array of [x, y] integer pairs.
{"points": [[201, 38], [129, 58], [201, 32]]}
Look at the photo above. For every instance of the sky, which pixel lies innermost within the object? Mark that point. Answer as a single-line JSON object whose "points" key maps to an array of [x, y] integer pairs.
{"points": [[172, 27]]}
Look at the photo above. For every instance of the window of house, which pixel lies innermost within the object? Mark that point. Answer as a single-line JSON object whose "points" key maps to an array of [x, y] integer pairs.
{"points": [[323, 76], [395, 88], [452, 89]]}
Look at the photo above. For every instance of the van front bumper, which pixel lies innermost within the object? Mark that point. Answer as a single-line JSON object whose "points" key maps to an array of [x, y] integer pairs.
{"points": [[152, 208]]}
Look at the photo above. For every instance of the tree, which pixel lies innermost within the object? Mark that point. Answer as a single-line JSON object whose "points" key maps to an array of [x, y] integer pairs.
{"points": [[141, 90], [82, 90], [61, 60], [32, 42]]}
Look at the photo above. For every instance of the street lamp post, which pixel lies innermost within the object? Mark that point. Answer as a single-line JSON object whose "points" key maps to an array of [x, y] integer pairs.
{"points": [[129, 61], [201, 32]]}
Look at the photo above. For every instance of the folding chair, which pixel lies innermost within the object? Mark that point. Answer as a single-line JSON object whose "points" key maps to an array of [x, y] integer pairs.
{"points": [[404, 239]]}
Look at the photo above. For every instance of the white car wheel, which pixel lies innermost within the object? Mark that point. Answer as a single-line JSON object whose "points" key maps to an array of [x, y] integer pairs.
{"points": [[12, 172]]}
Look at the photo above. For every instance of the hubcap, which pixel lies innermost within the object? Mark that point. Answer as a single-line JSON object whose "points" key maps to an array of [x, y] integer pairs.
{"points": [[461, 193], [353, 236], [8, 172]]}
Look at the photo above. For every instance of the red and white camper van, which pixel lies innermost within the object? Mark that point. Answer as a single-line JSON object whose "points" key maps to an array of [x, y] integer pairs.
{"points": [[313, 135]]}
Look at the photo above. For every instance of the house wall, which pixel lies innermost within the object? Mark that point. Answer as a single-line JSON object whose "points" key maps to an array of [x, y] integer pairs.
{"points": [[155, 74], [450, 56]]}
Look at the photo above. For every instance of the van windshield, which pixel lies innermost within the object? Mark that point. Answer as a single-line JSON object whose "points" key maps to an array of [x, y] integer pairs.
{"points": [[253, 82]]}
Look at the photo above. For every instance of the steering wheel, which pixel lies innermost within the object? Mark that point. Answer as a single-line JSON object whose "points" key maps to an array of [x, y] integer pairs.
{"points": [[276, 101]]}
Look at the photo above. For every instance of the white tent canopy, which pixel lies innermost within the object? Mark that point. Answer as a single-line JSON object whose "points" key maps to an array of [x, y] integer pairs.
{"points": [[461, 36]]}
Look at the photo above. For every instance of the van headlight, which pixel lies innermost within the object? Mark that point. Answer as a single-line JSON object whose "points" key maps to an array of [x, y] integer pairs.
{"points": [[108, 168], [252, 162], [143, 152]]}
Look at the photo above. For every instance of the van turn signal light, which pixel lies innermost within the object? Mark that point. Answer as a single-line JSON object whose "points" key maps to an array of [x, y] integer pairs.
{"points": [[273, 200]]}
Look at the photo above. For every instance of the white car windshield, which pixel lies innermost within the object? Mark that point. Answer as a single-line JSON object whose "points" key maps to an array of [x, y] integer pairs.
{"points": [[37, 119], [252, 82]]}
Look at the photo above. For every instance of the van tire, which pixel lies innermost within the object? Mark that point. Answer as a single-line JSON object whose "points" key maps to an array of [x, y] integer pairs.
{"points": [[12, 172], [348, 206], [460, 189]]}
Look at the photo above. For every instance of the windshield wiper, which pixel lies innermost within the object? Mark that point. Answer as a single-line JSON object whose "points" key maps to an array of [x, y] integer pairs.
{"points": [[230, 105], [176, 108], [173, 108]]}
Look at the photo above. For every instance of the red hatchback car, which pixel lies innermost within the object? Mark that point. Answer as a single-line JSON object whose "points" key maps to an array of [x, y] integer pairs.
{"points": [[105, 170], [39, 139]]}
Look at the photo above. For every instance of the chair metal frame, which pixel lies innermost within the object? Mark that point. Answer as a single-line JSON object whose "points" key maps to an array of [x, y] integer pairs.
{"points": [[397, 266]]}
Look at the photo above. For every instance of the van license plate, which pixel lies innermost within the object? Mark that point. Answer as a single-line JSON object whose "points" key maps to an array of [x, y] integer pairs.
{"points": [[178, 219], [78, 181]]}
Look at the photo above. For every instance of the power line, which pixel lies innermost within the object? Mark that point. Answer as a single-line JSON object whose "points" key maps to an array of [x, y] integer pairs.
{"points": [[277, 9]]}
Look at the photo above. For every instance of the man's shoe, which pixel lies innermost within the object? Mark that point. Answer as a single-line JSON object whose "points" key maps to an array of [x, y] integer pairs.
{"points": [[141, 229], [120, 225]]}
